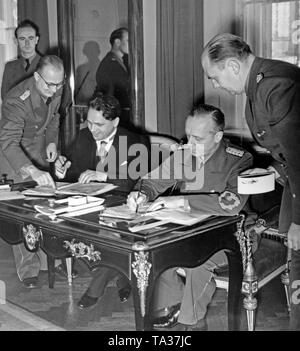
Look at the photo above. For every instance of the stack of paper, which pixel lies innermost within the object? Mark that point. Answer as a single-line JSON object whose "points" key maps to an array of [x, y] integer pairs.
{"points": [[179, 216], [93, 204], [91, 189]]}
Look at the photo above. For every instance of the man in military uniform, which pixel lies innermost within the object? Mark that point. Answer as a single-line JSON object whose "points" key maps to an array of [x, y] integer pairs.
{"points": [[113, 76], [28, 139], [272, 113], [26, 37], [215, 193]]}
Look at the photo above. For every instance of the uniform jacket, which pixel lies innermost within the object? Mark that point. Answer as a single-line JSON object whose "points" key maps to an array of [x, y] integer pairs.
{"points": [[113, 78], [14, 73], [216, 193], [117, 164], [27, 126], [273, 116]]}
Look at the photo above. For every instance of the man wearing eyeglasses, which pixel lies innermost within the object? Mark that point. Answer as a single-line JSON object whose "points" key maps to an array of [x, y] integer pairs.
{"points": [[28, 140]]}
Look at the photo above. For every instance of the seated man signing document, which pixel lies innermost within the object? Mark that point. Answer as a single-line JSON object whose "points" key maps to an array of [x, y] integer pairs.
{"points": [[104, 152], [207, 166]]}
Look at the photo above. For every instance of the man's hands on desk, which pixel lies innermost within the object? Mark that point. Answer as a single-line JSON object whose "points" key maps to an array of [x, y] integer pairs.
{"points": [[137, 199], [41, 177]]}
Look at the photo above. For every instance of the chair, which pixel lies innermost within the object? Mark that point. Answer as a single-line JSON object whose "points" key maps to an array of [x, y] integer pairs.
{"points": [[271, 259]]}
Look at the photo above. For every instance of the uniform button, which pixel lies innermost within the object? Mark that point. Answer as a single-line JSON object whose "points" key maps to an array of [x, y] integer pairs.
{"points": [[36, 127], [261, 134], [294, 196]]}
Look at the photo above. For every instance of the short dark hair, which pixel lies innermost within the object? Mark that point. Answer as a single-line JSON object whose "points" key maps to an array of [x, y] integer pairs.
{"points": [[117, 34], [216, 114], [108, 104], [226, 45], [25, 24], [50, 60]]}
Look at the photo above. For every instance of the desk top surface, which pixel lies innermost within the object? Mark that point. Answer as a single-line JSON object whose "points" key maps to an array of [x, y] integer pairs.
{"points": [[114, 233]]}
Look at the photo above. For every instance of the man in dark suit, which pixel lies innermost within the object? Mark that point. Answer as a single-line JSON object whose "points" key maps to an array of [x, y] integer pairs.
{"points": [[113, 76], [105, 152], [26, 36], [28, 140], [272, 113]]}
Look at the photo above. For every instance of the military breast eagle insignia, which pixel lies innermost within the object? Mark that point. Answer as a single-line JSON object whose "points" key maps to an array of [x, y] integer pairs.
{"points": [[25, 95], [229, 200], [259, 77], [233, 151]]}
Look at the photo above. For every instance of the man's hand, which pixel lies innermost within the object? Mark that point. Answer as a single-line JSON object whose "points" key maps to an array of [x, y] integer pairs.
{"points": [[135, 199], [42, 178], [272, 169], [294, 237], [172, 201], [51, 152], [61, 166], [254, 171], [90, 176]]}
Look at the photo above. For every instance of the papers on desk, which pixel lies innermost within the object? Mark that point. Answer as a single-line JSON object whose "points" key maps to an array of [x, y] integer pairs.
{"points": [[124, 212], [153, 215], [89, 189], [179, 216], [92, 204], [10, 195]]}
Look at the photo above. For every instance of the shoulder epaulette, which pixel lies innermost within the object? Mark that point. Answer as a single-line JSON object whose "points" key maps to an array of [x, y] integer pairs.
{"points": [[25, 95], [259, 77], [234, 151]]}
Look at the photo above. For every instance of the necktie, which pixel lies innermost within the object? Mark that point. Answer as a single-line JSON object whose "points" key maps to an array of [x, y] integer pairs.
{"points": [[27, 65], [102, 150]]}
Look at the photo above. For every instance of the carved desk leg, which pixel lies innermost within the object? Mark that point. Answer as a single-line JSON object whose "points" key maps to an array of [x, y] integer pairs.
{"points": [[250, 283], [141, 269]]}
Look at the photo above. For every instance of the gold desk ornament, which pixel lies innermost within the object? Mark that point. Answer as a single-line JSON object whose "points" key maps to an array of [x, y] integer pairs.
{"points": [[81, 250], [32, 237], [141, 269]]}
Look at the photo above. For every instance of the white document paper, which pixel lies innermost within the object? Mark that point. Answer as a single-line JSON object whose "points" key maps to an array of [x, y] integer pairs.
{"points": [[179, 216]]}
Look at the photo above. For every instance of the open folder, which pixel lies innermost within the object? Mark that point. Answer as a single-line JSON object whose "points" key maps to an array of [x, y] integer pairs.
{"points": [[179, 216], [89, 189]]}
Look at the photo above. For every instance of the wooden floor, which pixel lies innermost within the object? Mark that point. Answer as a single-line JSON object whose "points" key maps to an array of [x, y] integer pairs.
{"points": [[56, 309]]}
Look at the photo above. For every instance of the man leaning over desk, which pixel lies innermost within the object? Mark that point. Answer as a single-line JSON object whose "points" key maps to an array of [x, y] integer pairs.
{"points": [[102, 154], [28, 141], [220, 164]]}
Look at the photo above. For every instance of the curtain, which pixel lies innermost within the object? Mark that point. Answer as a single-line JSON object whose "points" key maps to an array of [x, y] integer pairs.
{"points": [[179, 73], [36, 11]]}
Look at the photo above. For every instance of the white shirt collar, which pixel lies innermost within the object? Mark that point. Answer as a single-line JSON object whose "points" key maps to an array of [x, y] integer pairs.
{"points": [[108, 140]]}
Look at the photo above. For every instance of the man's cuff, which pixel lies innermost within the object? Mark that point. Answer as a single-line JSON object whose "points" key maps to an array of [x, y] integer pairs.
{"points": [[101, 176]]}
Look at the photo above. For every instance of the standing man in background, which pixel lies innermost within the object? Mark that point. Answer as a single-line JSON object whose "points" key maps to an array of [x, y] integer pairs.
{"points": [[26, 37], [113, 77], [28, 140], [272, 113]]}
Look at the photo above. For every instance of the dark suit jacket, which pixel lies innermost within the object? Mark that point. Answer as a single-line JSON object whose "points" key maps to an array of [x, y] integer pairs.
{"points": [[113, 78], [272, 113], [14, 73], [118, 165]]}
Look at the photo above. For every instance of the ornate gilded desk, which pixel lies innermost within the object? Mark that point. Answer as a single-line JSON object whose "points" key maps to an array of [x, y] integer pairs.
{"points": [[142, 257]]}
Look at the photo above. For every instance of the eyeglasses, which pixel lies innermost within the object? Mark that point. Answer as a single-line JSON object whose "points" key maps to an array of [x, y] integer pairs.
{"points": [[53, 85]]}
